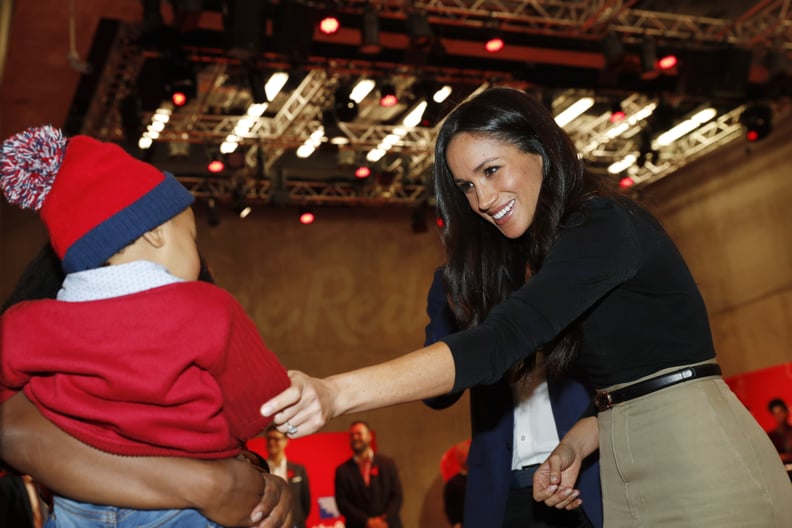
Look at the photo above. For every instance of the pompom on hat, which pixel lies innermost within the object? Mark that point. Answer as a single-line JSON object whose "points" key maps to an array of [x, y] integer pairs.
{"points": [[94, 198]]}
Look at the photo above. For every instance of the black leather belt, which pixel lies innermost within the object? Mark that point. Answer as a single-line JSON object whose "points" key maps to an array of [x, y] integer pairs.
{"points": [[606, 400]]}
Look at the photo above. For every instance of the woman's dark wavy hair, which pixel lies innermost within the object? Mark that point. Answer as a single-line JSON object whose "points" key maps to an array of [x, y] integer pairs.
{"points": [[483, 267]]}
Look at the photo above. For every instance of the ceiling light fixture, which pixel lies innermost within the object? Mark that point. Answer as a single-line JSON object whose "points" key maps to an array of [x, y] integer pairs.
{"points": [[388, 96], [573, 111], [329, 25], [685, 127]]}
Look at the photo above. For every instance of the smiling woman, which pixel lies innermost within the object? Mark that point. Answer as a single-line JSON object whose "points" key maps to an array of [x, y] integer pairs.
{"points": [[591, 279]]}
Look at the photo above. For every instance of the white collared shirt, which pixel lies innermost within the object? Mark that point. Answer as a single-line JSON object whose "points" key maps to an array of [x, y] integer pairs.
{"points": [[535, 433]]}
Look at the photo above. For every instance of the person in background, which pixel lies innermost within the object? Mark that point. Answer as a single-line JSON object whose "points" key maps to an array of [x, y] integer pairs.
{"points": [[781, 436], [454, 488], [511, 439], [368, 491], [542, 255], [110, 361], [293, 473]]}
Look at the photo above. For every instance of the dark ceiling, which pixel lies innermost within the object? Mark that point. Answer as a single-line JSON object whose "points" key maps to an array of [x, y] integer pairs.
{"points": [[561, 50]]}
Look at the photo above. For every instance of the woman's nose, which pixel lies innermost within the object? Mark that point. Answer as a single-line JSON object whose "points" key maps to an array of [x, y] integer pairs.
{"points": [[486, 196]]}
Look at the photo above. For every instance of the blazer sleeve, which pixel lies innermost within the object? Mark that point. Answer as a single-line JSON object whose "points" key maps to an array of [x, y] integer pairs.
{"points": [[441, 323]]}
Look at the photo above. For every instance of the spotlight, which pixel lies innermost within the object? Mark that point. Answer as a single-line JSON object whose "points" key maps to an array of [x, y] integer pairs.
{"points": [[667, 62], [757, 120], [617, 114], [181, 86], [329, 25], [215, 165], [388, 96], [370, 33], [494, 44], [306, 216], [362, 172], [626, 182]]}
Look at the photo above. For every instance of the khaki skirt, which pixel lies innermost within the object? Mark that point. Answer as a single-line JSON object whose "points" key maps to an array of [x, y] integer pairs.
{"points": [[690, 455]]}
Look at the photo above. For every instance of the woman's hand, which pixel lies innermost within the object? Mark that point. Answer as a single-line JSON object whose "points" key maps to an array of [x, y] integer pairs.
{"points": [[304, 408], [554, 481]]}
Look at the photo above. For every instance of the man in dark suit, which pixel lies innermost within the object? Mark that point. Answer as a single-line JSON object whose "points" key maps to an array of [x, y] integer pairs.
{"points": [[292, 473], [368, 491], [496, 495]]}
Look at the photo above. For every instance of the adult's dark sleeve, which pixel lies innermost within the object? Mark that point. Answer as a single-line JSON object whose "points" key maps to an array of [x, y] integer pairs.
{"points": [[441, 323]]}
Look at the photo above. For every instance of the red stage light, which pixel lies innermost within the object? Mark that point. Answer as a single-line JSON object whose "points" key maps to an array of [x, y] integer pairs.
{"points": [[388, 100], [215, 166], [667, 63], [617, 116], [494, 45], [329, 25], [307, 217], [626, 182], [440, 222], [179, 98], [362, 172]]}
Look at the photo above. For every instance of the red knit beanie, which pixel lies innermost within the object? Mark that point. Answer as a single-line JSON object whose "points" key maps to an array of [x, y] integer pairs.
{"points": [[94, 198]]}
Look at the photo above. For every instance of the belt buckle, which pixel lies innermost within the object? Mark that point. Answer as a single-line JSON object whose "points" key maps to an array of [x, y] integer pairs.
{"points": [[603, 401]]}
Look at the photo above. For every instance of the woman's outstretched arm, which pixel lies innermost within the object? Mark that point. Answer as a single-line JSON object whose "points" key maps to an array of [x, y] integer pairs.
{"points": [[309, 403], [230, 492]]}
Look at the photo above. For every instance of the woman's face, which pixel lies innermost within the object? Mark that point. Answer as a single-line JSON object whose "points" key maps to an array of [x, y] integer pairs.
{"points": [[500, 181]]}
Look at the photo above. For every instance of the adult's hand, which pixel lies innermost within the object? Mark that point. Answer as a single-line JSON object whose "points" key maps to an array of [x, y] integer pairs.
{"points": [[310, 403], [274, 509], [226, 491], [304, 408], [554, 481]]}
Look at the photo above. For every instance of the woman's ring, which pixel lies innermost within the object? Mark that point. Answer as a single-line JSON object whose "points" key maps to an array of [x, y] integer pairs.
{"points": [[291, 430]]}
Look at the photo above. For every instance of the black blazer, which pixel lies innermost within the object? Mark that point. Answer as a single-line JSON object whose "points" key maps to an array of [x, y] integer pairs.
{"points": [[301, 492], [357, 502], [492, 424]]}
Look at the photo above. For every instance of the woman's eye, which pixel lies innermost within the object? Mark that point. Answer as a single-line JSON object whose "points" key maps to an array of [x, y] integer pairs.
{"points": [[465, 186], [489, 171]]}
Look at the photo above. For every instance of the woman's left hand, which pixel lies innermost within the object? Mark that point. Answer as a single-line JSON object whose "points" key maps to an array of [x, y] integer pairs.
{"points": [[304, 408], [554, 481]]}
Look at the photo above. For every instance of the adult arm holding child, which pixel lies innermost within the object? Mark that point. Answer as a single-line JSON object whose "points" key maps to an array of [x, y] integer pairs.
{"points": [[229, 491]]}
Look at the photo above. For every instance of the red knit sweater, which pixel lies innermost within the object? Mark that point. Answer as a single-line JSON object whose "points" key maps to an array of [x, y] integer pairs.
{"points": [[177, 370]]}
